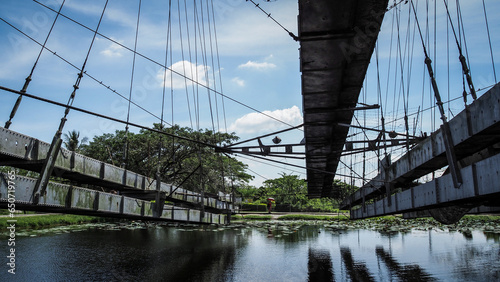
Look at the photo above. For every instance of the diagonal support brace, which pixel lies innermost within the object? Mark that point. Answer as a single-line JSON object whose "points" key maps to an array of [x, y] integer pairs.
{"points": [[445, 127]]}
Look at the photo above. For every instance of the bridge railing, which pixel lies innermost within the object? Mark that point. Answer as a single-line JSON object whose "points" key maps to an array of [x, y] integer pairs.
{"points": [[25, 152], [72, 199], [474, 131]]}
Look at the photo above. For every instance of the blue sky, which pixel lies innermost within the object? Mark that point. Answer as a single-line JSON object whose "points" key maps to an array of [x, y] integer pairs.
{"points": [[259, 67]]}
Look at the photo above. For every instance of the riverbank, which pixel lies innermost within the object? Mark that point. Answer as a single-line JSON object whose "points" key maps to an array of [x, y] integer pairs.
{"points": [[271, 250], [43, 223], [37, 221], [488, 223]]}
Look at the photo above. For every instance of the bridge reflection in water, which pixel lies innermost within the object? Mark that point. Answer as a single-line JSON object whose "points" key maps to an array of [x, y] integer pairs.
{"points": [[242, 253]]}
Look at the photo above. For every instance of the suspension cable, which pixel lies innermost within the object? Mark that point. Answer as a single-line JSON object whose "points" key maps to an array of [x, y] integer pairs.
{"points": [[106, 117], [126, 143], [194, 81], [274, 20], [182, 56], [465, 68], [79, 70], [489, 41], [28, 78], [219, 66], [55, 146]]}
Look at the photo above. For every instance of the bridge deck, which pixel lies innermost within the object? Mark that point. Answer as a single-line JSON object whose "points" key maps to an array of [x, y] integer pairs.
{"points": [[337, 39], [480, 185], [64, 198], [472, 131], [475, 133], [25, 152]]}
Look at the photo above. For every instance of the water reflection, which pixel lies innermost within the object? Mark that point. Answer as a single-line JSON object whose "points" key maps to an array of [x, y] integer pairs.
{"points": [[271, 252], [468, 260], [492, 236], [165, 254], [404, 272], [357, 270], [319, 265]]}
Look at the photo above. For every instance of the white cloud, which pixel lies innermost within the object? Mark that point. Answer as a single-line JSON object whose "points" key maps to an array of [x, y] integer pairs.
{"points": [[113, 51], [255, 122], [257, 66], [192, 71], [240, 82]]}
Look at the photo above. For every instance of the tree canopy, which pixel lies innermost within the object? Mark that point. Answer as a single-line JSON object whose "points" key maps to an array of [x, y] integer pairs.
{"points": [[72, 141], [290, 190], [178, 161]]}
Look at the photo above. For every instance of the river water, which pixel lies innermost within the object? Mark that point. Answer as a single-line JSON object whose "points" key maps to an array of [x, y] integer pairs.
{"points": [[253, 253]]}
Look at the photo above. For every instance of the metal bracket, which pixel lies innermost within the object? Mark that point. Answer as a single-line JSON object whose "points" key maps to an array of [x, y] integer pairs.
{"points": [[265, 150], [451, 156], [386, 163]]}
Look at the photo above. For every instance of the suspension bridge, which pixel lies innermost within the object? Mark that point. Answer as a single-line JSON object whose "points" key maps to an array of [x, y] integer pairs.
{"points": [[447, 173]]}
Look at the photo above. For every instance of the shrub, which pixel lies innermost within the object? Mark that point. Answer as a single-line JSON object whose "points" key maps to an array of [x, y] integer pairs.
{"points": [[251, 217]]}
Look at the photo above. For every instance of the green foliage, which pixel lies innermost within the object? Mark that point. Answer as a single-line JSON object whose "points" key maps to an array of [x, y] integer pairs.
{"points": [[291, 190], [4, 212], [254, 207], [341, 190], [481, 218], [72, 141], [288, 189], [320, 205], [247, 192], [175, 157], [310, 217], [33, 222], [250, 217]]}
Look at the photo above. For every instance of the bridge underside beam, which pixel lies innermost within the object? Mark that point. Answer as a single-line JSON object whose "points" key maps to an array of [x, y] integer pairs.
{"points": [[62, 198], [337, 39], [481, 187], [475, 132]]}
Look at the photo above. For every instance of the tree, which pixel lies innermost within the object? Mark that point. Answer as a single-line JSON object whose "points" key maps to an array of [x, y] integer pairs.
{"points": [[178, 161], [288, 189], [72, 141], [247, 191], [341, 190]]}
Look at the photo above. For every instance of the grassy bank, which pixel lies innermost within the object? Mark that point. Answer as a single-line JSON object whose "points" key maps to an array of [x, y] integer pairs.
{"points": [[311, 217], [250, 217], [42, 221], [288, 217]]}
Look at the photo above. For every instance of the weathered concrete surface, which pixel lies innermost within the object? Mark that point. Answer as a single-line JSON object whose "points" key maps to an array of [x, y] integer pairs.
{"points": [[25, 152], [471, 132], [481, 185], [63, 198], [337, 39]]}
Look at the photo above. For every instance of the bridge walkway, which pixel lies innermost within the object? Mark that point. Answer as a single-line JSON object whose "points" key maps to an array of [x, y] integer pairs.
{"points": [[476, 136], [121, 192]]}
